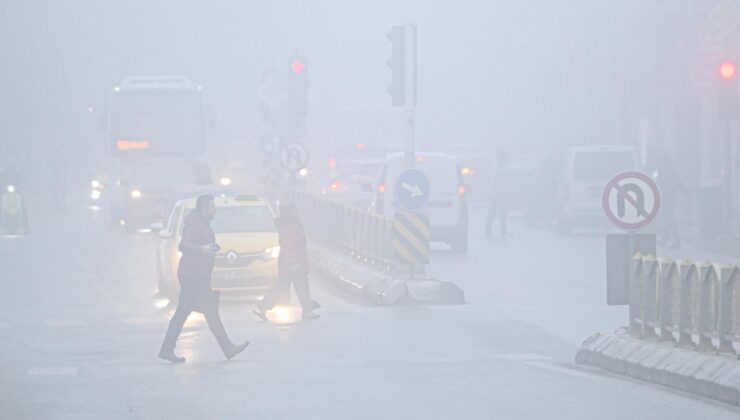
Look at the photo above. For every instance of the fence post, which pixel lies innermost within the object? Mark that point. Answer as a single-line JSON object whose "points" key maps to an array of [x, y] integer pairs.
{"points": [[707, 276], [689, 277], [635, 297], [728, 277], [665, 297], [649, 296]]}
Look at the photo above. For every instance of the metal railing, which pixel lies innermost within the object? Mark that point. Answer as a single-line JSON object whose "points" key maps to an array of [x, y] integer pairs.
{"points": [[688, 303], [362, 234]]}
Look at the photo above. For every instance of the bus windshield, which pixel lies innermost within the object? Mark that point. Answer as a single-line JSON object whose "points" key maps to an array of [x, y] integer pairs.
{"points": [[158, 123]]}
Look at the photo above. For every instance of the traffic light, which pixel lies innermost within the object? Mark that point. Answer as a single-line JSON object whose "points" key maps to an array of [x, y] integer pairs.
{"points": [[298, 86], [397, 63], [727, 101]]}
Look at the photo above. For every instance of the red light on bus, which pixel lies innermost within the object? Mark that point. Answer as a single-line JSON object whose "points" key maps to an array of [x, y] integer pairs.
{"points": [[129, 144]]}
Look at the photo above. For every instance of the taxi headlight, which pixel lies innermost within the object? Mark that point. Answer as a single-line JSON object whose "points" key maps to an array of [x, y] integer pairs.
{"points": [[135, 194], [273, 252]]}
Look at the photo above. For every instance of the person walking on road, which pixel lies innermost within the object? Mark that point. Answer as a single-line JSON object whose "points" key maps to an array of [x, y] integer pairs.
{"points": [[500, 194], [292, 266], [199, 248], [670, 186]]}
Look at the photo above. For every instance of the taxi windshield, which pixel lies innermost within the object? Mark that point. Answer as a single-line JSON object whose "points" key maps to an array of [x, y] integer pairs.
{"points": [[242, 219]]}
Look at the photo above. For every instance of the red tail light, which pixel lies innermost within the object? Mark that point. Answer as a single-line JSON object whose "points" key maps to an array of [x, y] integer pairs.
{"points": [[332, 162], [381, 188], [461, 190], [335, 186]]}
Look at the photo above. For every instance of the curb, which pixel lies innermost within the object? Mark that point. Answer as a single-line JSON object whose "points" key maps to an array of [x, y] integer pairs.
{"points": [[379, 286], [707, 374]]}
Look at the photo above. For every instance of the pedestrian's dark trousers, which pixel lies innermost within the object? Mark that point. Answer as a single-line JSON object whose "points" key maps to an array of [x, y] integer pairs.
{"points": [[195, 295], [282, 285]]}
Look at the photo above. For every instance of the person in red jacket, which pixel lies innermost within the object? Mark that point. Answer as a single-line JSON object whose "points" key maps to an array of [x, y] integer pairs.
{"points": [[198, 247], [292, 266]]}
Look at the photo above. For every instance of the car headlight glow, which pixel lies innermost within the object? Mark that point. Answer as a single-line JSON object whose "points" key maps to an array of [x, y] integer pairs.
{"points": [[273, 252], [135, 194], [96, 184], [303, 173], [225, 181], [95, 194], [11, 188]]}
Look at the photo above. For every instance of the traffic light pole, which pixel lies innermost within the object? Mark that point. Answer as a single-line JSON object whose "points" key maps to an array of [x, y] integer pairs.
{"points": [[729, 190], [410, 149]]}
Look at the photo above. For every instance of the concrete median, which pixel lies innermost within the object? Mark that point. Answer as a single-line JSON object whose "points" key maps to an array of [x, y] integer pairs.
{"points": [[706, 374], [377, 285]]}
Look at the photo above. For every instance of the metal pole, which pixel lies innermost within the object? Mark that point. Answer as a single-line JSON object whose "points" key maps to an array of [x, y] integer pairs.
{"points": [[729, 193]]}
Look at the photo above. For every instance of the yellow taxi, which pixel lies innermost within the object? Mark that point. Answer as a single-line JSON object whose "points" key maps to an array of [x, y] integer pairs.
{"points": [[247, 260]]}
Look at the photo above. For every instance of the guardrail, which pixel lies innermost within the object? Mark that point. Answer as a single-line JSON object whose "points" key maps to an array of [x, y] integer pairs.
{"points": [[688, 303], [362, 234]]}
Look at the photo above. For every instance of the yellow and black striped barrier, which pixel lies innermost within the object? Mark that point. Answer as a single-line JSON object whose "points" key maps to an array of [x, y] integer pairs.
{"points": [[411, 235]]}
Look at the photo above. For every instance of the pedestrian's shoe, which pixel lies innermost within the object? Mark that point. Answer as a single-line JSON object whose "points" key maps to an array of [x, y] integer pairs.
{"points": [[260, 314], [172, 357], [309, 315], [233, 350]]}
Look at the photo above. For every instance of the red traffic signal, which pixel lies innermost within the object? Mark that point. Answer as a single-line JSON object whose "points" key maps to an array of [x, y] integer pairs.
{"points": [[297, 66], [727, 70]]}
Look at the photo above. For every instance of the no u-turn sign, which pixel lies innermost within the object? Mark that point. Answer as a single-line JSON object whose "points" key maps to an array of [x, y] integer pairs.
{"points": [[631, 200]]}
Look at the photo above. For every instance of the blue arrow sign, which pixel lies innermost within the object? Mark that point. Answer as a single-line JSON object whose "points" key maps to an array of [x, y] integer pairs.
{"points": [[412, 190]]}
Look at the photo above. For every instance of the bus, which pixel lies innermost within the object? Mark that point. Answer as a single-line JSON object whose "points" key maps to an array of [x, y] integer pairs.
{"points": [[156, 117]]}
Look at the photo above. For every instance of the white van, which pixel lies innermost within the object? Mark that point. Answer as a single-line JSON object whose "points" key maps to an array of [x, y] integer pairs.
{"points": [[587, 171], [447, 207]]}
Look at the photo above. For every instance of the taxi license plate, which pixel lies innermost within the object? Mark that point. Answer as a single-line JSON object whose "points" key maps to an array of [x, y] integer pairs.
{"points": [[231, 275]]}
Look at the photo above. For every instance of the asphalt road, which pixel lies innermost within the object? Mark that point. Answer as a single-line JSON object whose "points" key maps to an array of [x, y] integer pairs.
{"points": [[80, 328]]}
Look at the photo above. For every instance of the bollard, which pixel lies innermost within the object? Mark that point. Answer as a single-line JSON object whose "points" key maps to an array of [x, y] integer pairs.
{"points": [[668, 271], [689, 278], [635, 297], [649, 296], [728, 278], [707, 278]]}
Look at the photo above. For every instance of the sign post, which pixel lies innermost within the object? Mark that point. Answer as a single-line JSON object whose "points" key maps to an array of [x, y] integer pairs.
{"points": [[411, 228], [631, 201]]}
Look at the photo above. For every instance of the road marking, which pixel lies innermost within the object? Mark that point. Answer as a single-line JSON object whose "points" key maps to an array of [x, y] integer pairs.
{"points": [[53, 371], [523, 357], [559, 369], [59, 322]]}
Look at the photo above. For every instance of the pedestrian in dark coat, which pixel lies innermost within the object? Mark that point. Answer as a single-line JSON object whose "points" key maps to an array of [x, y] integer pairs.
{"points": [[198, 247], [292, 266]]}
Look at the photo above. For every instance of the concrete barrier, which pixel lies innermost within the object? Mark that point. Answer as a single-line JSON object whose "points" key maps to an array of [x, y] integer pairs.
{"points": [[704, 373], [378, 286]]}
